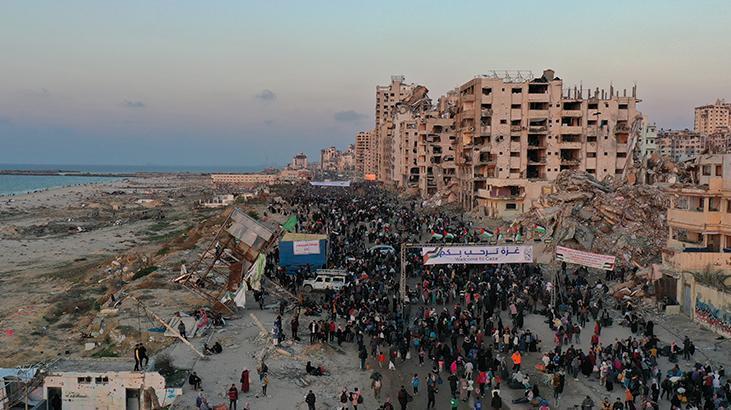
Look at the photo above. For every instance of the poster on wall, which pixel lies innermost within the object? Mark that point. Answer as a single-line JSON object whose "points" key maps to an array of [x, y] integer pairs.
{"points": [[306, 247], [441, 255], [588, 259]]}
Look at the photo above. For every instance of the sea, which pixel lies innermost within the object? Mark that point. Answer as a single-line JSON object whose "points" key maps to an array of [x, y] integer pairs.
{"points": [[20, 184]]}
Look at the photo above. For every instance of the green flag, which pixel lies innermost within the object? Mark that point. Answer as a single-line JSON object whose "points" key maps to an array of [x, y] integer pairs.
{"points": [[290, 225]]}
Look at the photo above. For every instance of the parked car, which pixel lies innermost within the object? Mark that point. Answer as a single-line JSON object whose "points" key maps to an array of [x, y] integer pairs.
{"points": [[325, 280]]}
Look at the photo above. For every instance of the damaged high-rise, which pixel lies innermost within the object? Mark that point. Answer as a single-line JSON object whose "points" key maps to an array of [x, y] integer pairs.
{"points": [[496, 141]]}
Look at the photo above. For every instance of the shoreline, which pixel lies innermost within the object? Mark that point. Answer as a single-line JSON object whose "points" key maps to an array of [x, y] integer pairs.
{"points": [[17, 194]]}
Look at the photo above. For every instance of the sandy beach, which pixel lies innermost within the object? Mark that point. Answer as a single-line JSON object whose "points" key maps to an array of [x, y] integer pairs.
{"points": [[53, 240]]}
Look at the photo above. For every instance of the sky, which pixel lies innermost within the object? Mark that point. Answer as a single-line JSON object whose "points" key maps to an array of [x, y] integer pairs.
{"points": [[242, 83]]}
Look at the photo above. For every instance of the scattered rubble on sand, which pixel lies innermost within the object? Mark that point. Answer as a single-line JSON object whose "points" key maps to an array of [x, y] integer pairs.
{"points": [[628, 221]]}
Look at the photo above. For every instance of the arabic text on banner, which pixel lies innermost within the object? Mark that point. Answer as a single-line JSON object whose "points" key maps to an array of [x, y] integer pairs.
{"points": [[306, 247], [591, 260], [330, 183], [440, 255]]}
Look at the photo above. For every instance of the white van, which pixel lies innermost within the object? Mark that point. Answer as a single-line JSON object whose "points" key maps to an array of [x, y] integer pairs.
{"points": [[334, 280]]}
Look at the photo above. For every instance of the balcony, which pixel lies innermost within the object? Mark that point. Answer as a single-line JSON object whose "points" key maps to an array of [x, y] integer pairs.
{"points": [[537, 113], [516, 128], [571, 129], [538, 129], [571, 113], [486, 112], [621, 129], [485, 130], [570, 162]]}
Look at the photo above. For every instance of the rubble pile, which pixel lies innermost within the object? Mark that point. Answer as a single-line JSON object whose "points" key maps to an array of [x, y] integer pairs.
{"points": [[628, 221]]}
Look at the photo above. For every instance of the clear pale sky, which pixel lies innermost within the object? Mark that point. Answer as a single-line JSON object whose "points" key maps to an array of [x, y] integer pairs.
{"points": [[253, 82]]}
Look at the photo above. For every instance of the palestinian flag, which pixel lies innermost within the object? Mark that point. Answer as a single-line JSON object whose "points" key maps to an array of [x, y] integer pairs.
{"points": [[539, 230], [449, 236], [486, 234], [436, 236]]}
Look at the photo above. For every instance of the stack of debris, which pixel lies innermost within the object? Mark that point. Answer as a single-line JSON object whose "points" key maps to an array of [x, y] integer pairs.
{"points": [[445, 196], [602, 217]]}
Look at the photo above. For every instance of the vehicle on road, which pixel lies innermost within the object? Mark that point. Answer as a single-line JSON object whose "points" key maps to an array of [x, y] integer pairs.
{"points": [[325, 279]]}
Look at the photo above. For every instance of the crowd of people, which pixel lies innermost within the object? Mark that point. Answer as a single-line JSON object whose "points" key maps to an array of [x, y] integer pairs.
{"points": [[466, 324]]}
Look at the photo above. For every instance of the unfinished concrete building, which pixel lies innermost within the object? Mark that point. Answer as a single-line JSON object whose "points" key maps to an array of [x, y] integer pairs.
{"points": [[713, 118], [516, 133], [435, 148], [679, 145], [365, 154], [388, 147]]}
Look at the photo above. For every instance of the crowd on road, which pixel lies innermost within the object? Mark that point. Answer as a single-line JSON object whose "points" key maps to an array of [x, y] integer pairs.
{"points": [[466, 323]]}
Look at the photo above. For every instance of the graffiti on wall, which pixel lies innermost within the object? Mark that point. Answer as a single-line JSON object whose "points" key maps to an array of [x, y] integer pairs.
{"points": [[713, 317]]}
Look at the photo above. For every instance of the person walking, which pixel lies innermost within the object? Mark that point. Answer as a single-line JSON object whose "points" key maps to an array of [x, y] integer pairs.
{"points": [[431, 394], [404, 398], [356, 398], [181, 329], [497, 401], [233, 397], [415, 383], [557, 383], [310, 400], [376, 385], [264, 384], [343, 399]]}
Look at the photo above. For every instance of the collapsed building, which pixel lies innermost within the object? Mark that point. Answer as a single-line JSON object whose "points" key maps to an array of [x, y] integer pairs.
{"points": [[497, 140]]}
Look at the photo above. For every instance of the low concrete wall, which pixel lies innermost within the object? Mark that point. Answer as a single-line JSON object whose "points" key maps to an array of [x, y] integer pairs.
{"points": [[713, 309]]}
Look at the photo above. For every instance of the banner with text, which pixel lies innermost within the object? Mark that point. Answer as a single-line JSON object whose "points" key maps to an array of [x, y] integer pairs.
{"points": [[306, 247], [588, 259], [440, 255], [330, 183]]}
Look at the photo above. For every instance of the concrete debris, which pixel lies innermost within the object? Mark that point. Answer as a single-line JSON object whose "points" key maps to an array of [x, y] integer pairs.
{"points": [[628, 221]]}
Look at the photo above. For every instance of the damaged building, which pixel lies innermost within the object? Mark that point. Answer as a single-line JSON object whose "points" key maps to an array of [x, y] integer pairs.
{"points": [[497, 141]]}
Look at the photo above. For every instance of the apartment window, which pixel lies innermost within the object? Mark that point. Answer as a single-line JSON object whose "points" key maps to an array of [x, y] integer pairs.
{"points": [[486, 91], [605, 154], [593, 106], [591, 138], [511, 205], [591, 154], [719, 170], [706, 170], [622, 106], [503, 121], [728, 206], [515, 154], [515, 138], [539, 88], [591, 171], [621, 155], [517, 91], [515, 106]]}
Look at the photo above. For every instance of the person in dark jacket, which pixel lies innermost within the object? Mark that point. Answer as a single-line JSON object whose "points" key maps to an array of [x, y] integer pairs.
{"points": [[403, 398], [497, 401], [310, 400]]}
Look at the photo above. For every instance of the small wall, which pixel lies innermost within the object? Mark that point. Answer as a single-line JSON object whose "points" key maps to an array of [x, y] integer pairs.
{"points": [[713, 309]]}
